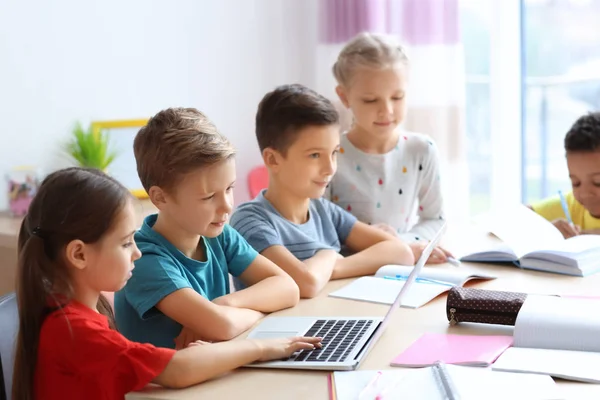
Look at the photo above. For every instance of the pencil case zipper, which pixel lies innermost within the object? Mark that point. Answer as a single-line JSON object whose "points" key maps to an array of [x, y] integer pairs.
{"points": [[454, 320]]}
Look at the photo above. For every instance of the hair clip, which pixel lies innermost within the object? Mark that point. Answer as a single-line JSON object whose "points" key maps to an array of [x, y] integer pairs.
{"points": [[37, 231]]}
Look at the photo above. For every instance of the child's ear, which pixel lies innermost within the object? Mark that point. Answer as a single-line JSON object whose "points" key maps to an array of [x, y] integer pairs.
{"points": [[342, 95], [157, 197], [76, 255], [271, 158]]}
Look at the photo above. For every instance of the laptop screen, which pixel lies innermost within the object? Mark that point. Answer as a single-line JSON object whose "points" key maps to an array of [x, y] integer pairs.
{"points": [[416, 271], [405, 288]]}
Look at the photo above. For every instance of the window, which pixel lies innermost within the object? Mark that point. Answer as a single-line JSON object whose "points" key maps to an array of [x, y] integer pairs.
{"points": [[562, 82], [491, 33], [475, 19]]}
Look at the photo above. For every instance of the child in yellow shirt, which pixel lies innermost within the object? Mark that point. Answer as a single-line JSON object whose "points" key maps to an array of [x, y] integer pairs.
{"points": [[582, 146]]}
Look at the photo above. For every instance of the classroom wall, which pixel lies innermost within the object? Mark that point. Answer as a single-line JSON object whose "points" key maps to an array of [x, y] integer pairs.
{"points": [[68, 60]]}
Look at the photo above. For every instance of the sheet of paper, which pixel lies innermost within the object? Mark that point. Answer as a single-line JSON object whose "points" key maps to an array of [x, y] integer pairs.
{"points": [[552, 322]]}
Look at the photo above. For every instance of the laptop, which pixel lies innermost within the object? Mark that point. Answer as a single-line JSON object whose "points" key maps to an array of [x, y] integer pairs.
{"points": [[346, 341]]}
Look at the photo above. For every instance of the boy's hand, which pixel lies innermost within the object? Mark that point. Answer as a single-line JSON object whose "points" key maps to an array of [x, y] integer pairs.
{"points": [[277, 349], [568, 230], [222, 301], [386, 228], [591, 232], [186, 338], [438, 255]]}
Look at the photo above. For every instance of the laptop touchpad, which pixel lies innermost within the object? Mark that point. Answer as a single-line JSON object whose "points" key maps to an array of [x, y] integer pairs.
{"points": [[273, 334]]}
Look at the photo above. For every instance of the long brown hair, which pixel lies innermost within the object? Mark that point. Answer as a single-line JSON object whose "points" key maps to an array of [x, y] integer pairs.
{"points": [[73, 203]]}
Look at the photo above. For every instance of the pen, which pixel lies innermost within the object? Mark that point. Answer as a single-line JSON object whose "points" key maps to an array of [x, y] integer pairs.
{"points": [[370, 384], [419, 280], [565, 208], [454, 261]]}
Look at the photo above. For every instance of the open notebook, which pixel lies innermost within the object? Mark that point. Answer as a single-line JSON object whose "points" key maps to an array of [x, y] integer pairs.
{"points": [[389, 279], [532, 242], [467, 383], [468, 350], [556, 336]]}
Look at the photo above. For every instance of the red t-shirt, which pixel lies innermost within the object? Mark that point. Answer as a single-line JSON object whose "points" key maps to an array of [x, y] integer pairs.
{"points": [[85, 359]]}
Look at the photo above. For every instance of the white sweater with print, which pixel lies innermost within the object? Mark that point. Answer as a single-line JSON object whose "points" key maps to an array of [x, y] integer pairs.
{"points": [[400, 188]]}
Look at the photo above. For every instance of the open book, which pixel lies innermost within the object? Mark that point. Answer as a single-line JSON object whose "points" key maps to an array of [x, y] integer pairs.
{"points": [[532, 242], [389, 279], [433, 383], [556, 336]]}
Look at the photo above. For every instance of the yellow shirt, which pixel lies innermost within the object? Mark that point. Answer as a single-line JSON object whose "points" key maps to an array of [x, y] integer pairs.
{"points": [[551, 209]]}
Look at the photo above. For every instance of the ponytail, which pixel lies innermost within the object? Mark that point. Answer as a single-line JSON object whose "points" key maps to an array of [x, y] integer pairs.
{"points": [[106, 309], [32, 303]]}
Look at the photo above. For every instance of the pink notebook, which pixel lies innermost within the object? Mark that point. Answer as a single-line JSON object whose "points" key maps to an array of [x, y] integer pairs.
{"points": [[472, 350]]}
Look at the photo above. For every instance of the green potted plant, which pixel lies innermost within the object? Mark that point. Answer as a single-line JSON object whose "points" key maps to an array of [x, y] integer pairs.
{"points": [[89, 148]]}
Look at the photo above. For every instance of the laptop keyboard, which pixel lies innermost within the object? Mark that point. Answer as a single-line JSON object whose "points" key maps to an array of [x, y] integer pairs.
{"points": [[340, 337]]}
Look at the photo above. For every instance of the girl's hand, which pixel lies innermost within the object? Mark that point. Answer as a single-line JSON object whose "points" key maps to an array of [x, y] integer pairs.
{"points": [[568, 230], [198, 343], [277, 349], [438, 256]]}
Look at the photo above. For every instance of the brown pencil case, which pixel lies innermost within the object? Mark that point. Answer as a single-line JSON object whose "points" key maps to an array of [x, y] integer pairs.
{"points": [[483, 306]]}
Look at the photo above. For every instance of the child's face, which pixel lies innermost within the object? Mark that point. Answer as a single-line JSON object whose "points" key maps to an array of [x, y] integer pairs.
{"points": [[310, 161], [110, 261], [377, 99], [202, 202], [584, 171]]}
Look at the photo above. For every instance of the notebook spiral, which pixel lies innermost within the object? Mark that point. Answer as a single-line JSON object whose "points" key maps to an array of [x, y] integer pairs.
{"points": [[443, 377]]}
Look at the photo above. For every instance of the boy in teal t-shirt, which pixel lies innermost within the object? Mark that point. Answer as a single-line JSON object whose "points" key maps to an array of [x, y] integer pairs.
{"points": [[179, 290]]}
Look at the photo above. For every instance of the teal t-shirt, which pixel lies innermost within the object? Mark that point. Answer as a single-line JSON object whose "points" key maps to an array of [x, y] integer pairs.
{"points": [[163, 269]]}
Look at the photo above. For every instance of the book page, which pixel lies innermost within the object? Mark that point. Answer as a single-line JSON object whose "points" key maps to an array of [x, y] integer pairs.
{"points": [[574, 247], [482, 383], [401, 384], [523, 230], [422, 384], [456, 276], [564, 364], [385, 291], [552, 322]]}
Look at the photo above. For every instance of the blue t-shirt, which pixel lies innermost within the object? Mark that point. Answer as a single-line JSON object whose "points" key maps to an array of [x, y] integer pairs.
{"points": [[327, 227], [163, 269]]}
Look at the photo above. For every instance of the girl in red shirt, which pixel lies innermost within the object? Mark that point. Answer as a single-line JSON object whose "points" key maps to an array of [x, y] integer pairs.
{"points": [[75, 242]]}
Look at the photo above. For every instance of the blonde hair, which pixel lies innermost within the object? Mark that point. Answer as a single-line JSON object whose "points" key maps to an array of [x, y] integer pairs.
{"points": [[368, 50], [177, 141]]}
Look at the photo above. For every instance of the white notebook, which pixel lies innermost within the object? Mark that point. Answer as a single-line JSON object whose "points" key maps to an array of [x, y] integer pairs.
{"points": [[467, 383], [557, 336], [532, 242], [388, 281]]}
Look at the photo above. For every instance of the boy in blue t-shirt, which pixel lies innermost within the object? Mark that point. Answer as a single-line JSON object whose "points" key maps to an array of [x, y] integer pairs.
{"points": [[179, 290], [290, 223]]}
